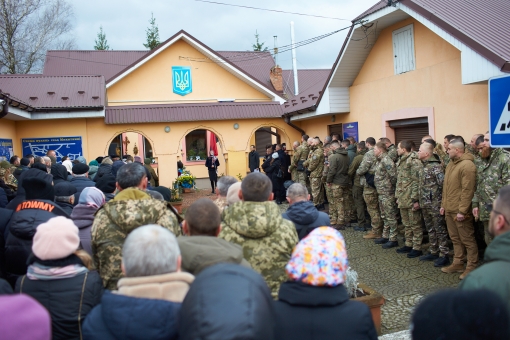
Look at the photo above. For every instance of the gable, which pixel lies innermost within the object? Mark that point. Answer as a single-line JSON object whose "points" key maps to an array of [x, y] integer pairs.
{"points": [[151, 82]]}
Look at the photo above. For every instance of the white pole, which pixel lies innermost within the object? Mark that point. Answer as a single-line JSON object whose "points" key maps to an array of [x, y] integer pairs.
{"points": [[294, 66]]}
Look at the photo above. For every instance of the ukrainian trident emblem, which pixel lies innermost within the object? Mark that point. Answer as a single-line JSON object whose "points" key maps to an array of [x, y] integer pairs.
{"points": [[181, 79]]}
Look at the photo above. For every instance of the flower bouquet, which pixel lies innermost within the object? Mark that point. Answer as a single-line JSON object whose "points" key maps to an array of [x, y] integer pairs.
{"points": [[186, 180]]}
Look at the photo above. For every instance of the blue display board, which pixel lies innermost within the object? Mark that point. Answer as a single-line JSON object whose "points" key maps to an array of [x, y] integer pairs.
{"points": [[63, 146], [6, 149], [350, 130], [499, 111]]}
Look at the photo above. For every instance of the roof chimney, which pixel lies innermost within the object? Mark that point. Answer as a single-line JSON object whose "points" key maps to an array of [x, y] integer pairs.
{"points": [[276, 77]]}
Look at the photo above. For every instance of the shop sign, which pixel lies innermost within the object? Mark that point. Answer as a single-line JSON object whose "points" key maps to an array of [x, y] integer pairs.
{"points": [[350, 130], [63, 146], [181, 79], [6, 149]]}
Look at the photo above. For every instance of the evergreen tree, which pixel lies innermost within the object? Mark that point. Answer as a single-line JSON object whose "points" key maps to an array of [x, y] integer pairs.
{"points": [[259, 47], [152, 34], [101, 42]]}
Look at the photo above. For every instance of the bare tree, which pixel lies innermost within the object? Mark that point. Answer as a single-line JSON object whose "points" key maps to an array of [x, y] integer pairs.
{"points": [[30, 27]]}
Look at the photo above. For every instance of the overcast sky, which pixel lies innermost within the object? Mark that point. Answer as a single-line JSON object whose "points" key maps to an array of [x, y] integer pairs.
{"points": [[222, 28]]}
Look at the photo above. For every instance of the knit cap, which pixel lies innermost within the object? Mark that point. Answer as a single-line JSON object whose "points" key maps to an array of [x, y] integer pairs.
{"points": [[138, 159], [39, 188], [22, 317], [56, 239], [320, 259]]}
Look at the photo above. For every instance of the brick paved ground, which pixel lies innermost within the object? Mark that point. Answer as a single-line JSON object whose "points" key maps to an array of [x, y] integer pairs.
{"points": [[402, 281]]}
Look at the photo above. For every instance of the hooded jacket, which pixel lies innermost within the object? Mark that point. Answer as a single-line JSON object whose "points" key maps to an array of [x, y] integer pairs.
{"points": [[339, 168], [493, 275], [83, 217], [353, 167], [266, 238], [200, 252], [81, 183], [103, 169], [227, 302], [59, 173], [459, 185], [321, 312], [351, 151], [128, 210], [21, 230], [19, 170], [126, 317], [305, 217]]}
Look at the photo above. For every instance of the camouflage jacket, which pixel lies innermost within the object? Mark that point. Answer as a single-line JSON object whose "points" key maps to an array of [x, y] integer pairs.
{"points": [[266, 238], [393, 153], [221, 203], [326, 165], [9, 179], [367, 165], [356, 162], [406, 192], [301, 154], [315, 162], [128, 210], [385, 175], [431, 178], [492, 175]]}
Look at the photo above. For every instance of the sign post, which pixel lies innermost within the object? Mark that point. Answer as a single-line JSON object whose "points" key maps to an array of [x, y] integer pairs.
{"points": [[499, 111]]}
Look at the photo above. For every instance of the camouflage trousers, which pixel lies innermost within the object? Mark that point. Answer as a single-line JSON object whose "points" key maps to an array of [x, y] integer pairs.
{"points": [[332, 212], [299, 177], [317, 190], [436, 227], [359, 204], [389, 211], [411, 219], [350, 212], [339, 198], [372, 201], [487, 236]]}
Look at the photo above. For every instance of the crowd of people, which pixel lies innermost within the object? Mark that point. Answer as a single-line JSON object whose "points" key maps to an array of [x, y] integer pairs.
{"points": [[105, 255]]}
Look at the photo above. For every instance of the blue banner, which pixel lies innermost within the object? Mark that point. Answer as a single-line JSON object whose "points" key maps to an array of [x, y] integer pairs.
{"points": [[63, 146], [350, 130], [6, 149]]}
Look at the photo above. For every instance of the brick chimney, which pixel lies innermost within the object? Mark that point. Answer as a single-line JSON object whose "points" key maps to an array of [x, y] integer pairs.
{"points": [[276, 77]]}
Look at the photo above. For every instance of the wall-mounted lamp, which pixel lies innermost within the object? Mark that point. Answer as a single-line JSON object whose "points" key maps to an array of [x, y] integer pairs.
{"points": [[333, 118], [236, 126], [167, 129]]}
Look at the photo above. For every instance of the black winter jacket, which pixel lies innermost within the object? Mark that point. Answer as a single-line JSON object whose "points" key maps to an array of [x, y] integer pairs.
{"points": [[64, 300], [227, 301], [253, 160], [103, 169], [81, 183], [5, 216], [20, 232], [321, 312], [306, 218]]}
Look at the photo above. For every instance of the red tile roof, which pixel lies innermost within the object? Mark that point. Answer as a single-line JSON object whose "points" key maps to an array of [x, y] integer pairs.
{"points": [[130, 114], [55, 92]]}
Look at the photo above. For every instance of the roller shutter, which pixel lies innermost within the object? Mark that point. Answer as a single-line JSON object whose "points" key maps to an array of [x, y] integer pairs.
{"points": [[413, 132], [262, 139]]}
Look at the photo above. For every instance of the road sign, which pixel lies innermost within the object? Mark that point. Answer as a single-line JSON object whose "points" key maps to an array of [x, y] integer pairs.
{"points": [[499, 111]]}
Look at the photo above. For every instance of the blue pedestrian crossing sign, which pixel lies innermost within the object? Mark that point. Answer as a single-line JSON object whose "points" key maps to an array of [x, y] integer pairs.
{"points": [[499, 111]]}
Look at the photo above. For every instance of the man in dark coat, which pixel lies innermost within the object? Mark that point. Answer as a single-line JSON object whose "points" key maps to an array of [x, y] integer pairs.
{"points": [[302, 212], [38, 208], [23, 166], [253, 159], [64, 196], [81, 180]]}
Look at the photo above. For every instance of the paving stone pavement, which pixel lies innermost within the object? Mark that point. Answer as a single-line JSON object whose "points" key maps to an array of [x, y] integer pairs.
{"points": [[402, 281]]}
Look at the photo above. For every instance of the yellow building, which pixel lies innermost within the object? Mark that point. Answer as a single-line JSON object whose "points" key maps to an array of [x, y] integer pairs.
{"points": [[411, 68], [174, 103]]}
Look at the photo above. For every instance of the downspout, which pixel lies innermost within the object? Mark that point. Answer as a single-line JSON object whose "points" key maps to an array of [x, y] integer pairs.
{"points": [[287, 120]]}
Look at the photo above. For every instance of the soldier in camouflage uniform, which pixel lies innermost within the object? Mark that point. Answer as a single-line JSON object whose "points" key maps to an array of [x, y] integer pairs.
{"points": [[300, 156], [493, 173], [333, 213], [350, 211], [315, 164], [357, 188], [367, 166], [131, 208], [338, 180], [392, 149], [407, 195], [6, 173], [385, 180], [258, 227], [431, 178]]}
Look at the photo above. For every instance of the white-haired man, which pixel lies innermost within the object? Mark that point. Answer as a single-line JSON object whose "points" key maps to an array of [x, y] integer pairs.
{"points": [[151, 291]]}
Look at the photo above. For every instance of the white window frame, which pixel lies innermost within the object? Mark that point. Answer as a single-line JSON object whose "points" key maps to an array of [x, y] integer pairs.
{"points": [[405, 28]]}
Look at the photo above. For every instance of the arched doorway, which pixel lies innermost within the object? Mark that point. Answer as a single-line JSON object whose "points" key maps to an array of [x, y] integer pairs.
{"points": [[131, 143], [195, 148]]}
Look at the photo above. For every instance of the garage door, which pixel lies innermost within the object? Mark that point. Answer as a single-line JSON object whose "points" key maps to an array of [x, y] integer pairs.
{"points": [[413, 132]]}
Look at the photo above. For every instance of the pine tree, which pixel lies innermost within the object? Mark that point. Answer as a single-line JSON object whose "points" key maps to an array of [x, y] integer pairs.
{"points": [[259, 47], [152, 34], [101, 42]]}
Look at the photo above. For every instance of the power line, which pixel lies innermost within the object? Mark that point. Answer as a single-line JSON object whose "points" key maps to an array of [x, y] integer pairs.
{"points": [[271, 10]]}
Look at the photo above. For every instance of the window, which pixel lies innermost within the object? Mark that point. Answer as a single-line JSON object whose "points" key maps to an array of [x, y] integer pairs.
{"points": [[403, 49], [196, 146]]}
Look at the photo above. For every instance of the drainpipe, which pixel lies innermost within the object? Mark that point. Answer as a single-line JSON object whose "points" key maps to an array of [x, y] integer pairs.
{"points": [[287, 120]]}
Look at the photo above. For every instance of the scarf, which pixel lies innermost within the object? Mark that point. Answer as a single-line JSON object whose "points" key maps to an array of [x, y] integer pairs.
{"points": [[37, 271]]}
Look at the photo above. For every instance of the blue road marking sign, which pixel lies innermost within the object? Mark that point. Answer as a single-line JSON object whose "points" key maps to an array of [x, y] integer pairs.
{"points": [[499, 111]]}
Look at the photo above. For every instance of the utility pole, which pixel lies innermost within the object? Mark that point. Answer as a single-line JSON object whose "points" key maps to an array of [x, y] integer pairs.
{"points": [[294, 64]]}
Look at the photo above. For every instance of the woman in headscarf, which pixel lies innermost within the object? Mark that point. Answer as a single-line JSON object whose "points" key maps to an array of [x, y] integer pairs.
{"points": [[69, 165], [91, 199], [59, 173], [315, 303]]}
